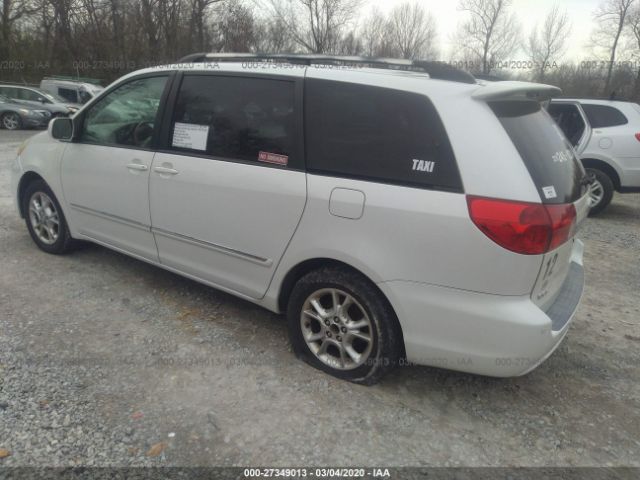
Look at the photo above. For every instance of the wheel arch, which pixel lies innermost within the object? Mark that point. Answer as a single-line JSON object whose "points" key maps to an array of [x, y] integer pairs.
{"points": [[25, 181], [604, 167], [301, 269]]}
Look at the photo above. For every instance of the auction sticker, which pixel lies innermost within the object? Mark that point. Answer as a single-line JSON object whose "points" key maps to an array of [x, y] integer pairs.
{"points": [[550, 192], [273, 158], [188, 135]]}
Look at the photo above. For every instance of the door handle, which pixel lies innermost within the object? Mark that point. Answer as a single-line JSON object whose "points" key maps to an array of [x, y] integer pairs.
{"points": [[137, 166], [165, 171]]}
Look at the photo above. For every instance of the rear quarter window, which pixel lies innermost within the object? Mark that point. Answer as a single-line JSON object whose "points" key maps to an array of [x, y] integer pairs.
{"points": [[603, 116], [377, 134], [546, 152]]}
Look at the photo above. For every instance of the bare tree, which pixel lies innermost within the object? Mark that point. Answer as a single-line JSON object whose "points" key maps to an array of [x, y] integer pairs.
{"points": [[491, 33], [375, 37], [199, 14], [237, 30], [12, 12], [316, 25], [412, 31], [633, 21], [612, 18], [272, 36], [549, 42]]}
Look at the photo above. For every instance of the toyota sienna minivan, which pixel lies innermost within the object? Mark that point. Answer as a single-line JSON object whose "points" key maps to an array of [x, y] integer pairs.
{"points": [[395, 211]]}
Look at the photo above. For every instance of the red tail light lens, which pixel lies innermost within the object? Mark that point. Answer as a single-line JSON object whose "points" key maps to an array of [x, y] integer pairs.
{"points": [[638, 136], [525, 228]]}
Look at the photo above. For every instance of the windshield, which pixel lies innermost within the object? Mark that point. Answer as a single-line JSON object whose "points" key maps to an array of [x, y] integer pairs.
{"points": [[546, 152]]}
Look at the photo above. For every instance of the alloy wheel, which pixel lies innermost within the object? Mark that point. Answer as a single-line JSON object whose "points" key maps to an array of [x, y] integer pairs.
{"points": [[44, 218], [337, 329], [11, 121], [596, 192]]}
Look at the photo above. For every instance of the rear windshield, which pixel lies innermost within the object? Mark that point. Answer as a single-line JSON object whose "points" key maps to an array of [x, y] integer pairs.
{"points": [[546, 152]]}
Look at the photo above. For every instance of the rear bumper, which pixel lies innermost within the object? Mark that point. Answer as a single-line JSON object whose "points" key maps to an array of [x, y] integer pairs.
{"points": [[499, 336]]}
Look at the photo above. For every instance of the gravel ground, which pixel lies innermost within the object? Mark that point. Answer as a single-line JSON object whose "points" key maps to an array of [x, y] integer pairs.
{"points": [[108, 361]]}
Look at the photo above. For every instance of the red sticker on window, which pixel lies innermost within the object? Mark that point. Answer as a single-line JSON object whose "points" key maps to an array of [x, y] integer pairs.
{"points": [[273, 158]]}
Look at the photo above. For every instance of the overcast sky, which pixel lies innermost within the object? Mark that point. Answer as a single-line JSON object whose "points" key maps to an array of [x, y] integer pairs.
{"points": [[529, 12]]}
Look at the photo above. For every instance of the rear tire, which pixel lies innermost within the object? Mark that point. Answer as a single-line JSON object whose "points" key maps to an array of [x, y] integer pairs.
{"points": [[601, 191], [45, 220], [340, 323]]}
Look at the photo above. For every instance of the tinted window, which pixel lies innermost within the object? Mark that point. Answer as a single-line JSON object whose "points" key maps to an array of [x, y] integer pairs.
{"points": [[547, 154], [68, 94], [127, 115], [569, 120], [602, 116], [248, 119], [30, 95], [9, 92], [377, 133]]}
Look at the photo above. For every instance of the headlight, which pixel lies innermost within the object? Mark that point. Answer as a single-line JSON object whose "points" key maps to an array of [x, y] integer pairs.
{"points": [[72, 109], [30, 113]]}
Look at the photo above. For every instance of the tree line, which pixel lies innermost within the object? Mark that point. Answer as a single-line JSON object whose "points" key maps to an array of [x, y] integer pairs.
{"points": [[104, 39]]}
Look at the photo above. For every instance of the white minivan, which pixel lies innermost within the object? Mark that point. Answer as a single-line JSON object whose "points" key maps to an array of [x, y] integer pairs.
{"points": [[396, 211]]}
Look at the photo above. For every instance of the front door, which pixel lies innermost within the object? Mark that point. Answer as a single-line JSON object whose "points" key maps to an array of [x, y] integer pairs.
{"points": [[105, 172], [228, 192]]}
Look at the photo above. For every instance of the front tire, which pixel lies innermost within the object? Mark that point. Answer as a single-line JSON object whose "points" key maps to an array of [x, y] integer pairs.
{"points": [[45, 220], [340, 323], [11, 121], [601, 191]]}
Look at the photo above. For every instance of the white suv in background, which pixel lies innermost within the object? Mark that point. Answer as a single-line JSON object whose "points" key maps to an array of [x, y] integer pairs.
{"points": [[394, 210], [606, 135]]}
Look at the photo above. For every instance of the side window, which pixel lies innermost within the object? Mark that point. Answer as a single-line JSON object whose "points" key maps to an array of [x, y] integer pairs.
{"points": [[377, 133], [9, 92], [250, 119], [68, 94], [24, 94], [603, 116], [569, 120], [127, 116]]}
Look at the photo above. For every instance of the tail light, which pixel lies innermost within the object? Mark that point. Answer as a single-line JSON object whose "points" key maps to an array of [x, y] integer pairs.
{"points": [[525, 228], [638, 136]]}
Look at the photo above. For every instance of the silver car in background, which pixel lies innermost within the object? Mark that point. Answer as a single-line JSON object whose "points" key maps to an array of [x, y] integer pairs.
{"points": [[15, 116]]}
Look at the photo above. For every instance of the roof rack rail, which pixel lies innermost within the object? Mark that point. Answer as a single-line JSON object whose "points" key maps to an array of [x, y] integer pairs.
{"points": [[435, 69]]}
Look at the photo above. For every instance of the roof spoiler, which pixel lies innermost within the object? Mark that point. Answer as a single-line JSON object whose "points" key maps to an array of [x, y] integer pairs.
{"points": [[516, 91]]}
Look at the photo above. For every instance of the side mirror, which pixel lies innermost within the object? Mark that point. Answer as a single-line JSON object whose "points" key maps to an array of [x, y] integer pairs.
{"points": [[61, 128]]}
